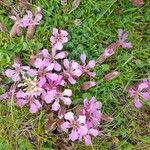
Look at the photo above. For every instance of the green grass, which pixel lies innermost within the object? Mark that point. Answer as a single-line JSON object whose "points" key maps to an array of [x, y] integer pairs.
{"points": [[100, 21]]}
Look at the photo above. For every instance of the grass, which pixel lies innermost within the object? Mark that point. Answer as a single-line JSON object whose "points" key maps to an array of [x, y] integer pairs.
{"points": [[100, 21]]}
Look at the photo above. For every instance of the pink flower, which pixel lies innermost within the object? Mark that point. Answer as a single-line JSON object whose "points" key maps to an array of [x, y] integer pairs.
{"points": [[58, 38], [72, 71], [23, 99], [91, 132], [76, 127], [142, 91], [18, 71], [28, 20], [122, 39], [87, 85], [85, 67], [92, 111], [54, 81], [49, 61], [54, 97]]}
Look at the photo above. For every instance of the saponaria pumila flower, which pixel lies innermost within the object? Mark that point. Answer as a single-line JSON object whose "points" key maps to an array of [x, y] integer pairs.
{"points": [[110, 50], [139, 92], [26, 21], [44, 82]]}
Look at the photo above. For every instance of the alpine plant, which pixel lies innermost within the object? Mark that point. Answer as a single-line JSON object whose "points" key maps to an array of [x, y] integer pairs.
{"points": [[43, 84]]}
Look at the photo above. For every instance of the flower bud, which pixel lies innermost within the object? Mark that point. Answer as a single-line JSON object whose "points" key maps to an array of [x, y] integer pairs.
{"points": [[113, 74], [30, 31], [87, 85]]}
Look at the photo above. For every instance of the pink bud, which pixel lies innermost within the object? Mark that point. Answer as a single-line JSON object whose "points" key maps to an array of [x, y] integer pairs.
{"points": [[30, 31], [138, 2], [87, 85], [16, 29], [113, 74], [107, 117]]}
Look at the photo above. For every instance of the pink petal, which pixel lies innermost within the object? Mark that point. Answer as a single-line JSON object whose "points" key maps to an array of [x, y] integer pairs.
{"points": [[137, 102], [71, 80], [74, 65], [69, 116], [66, 63], [91, 74], [126, 45], [63, 33], [16, 77], [53, 39], [38, 104], [64, 40], [50, 67], [50, 96], [57, 66], [59, 45], [21, 102], [32, 72], [81, 119], [9, 72], [91, 64], [87, 140], [45, 53], [125, 36], [61, 55], [77, 72], [20, 94], [142, 86], [55, 31], [39, 63], [65, 126], [67, 92], [93, 132], [42, 81], [132, 91], [66, 100], [38, 18], [120, 33], [56, 106], [33, 108], [13, 18], [82, 130], [83, 58], [52, 76], [145, 95], [74, 135]]}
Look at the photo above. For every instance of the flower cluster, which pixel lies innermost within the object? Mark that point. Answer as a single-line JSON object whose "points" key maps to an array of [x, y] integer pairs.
{"points": [[26, 22], [43, 84], [85, 124], [139, 92]]}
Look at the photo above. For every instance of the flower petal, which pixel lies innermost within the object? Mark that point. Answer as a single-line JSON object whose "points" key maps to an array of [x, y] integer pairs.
{"points": [[56, 106], [67, 92], [69, 116], [73, 136], [91, 64], [83, 58], [87, 140], [65, 126]]}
